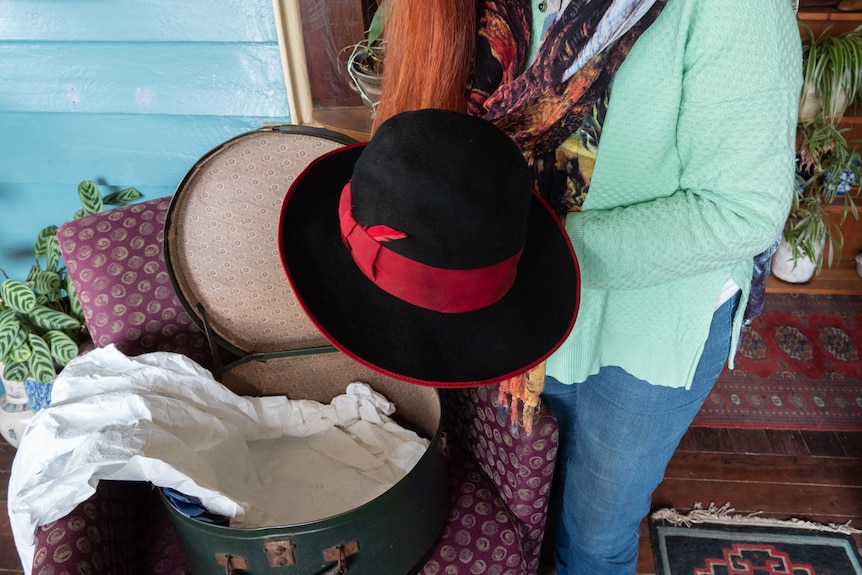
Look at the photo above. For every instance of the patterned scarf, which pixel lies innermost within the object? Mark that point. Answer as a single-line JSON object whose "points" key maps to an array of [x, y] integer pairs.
{"points": [[553, 108], [542, 105]]}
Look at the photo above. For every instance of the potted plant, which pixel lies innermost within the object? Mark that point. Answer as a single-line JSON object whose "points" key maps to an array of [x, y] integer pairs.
{"points": [[832, 72], [365, 60], [828, 169], [41, 322]]}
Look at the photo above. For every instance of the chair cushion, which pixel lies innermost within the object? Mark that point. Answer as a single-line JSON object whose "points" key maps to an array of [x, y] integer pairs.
{"points": [[481, 535], [116, 263], [122, 529], [519, 465]]}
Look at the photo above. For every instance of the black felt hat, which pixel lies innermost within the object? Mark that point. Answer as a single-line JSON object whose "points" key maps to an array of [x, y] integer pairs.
{"points": [[425, 255]]}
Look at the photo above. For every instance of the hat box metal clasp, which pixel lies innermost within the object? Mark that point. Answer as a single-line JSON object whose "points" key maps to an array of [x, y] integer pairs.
{"points": [[221, 250]]}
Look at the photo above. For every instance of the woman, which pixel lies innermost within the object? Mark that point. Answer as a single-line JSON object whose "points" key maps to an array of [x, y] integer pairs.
{"points": [[663, 131]]}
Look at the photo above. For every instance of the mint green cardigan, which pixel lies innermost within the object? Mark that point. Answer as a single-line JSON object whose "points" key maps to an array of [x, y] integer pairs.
{"points": [[694, 177]]}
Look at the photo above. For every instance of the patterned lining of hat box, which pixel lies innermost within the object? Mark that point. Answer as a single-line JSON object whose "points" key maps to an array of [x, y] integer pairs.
{"points": [[221, 251]]}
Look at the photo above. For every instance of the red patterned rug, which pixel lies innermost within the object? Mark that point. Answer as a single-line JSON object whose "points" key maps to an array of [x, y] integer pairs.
{"points": [[799, 366]]}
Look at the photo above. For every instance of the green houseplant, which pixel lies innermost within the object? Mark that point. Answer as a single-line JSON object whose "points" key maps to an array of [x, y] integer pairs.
{"points": [[828, 164], [832, 72], [828, 170], [41, 322], [365, 60]]}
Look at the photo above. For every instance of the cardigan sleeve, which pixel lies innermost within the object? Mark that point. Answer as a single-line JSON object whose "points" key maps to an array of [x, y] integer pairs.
{"points": [[735, 139]]}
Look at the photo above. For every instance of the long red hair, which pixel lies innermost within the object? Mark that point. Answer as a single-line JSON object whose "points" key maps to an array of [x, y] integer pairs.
{"points": [[429, 53]]}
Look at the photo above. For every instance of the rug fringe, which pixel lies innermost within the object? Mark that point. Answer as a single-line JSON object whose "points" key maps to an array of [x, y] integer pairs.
{"points": [[725, 515]]}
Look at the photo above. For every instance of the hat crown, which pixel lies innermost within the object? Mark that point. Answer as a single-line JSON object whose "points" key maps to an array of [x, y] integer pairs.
{"points": [[455, 185]]}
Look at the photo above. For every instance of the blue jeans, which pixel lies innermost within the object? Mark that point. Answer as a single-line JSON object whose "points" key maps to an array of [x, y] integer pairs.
{"points": [[617, 434]]}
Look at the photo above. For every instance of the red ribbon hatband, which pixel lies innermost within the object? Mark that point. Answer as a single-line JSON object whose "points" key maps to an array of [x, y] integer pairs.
{"points": [[438, 289]]}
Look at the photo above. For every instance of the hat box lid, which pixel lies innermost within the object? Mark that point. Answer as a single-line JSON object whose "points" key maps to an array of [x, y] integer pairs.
{"points": [[221, 240]]}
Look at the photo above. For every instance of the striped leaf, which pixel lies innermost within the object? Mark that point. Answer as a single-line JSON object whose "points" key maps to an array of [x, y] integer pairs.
{"points": [[41, 362], [7, 317], [34, 269], [74, 303], [51, 299], [42, 238], [46, 282], [18, 295], [21, 353], [21, 336], [122, 197], [48, 318], [91, 197], [63, 348], [16, 371], [53, 254], [8, 330]]}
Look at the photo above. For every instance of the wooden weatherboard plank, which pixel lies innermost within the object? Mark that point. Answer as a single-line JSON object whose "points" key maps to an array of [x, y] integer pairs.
{"points": [[134, 149], [164, 78], [137, 20]]}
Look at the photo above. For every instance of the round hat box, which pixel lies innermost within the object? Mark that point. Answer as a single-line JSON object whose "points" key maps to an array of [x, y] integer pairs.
{"points": [[222, 254]]}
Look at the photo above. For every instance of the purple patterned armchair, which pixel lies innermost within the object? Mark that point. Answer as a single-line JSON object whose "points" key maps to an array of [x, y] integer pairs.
{"points": [[500, 483], [500, 477]]}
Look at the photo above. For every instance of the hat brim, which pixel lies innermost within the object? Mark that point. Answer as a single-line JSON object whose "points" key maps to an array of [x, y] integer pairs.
{"points": [[411, 343]]}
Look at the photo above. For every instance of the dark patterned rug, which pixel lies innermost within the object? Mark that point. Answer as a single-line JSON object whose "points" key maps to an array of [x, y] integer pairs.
{"points": [[718, 543], [799, 366]]}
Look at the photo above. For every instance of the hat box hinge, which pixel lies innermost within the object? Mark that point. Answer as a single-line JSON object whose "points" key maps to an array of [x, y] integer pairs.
{"points": [[311, 131], [276, 127], [231, 563], [264, 356], [340, 553], [218, 368]]}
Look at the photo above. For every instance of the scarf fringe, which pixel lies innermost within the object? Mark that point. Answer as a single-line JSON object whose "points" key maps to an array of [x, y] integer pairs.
{"points": [[725, 515], [520, 397]]}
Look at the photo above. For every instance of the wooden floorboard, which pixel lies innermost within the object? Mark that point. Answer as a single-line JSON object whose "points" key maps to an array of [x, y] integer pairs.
{"points": [[810, 475], [787, 442], [852, 443], [750, 441]]}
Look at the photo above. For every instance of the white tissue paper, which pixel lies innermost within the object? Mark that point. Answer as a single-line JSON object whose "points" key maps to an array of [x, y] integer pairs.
{"points": [[162, 418]]}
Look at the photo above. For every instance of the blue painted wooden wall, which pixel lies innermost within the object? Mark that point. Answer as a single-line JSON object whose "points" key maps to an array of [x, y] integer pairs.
{"points": [[123, 92]]}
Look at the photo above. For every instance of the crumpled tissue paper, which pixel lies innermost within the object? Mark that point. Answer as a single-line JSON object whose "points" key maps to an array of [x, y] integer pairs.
{"points": [[162, 418]]}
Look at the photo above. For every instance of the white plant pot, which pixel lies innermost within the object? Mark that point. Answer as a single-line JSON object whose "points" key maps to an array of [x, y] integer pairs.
{"points": [[812, 104], [15, 412], [797, 271], [367, 86], [859, 264]]}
